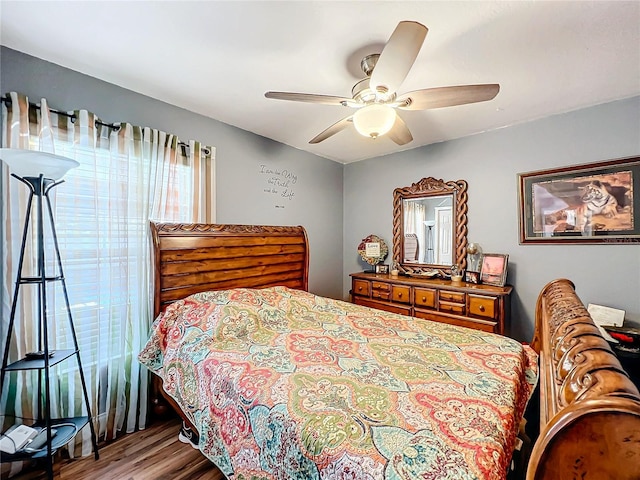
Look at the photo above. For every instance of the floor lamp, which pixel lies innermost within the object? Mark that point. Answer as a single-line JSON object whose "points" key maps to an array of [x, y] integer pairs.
{"points": [[429, 256], [40, 172]]}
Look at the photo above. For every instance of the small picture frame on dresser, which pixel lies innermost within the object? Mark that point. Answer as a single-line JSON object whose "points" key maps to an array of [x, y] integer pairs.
{"points": [[382, 268], [472, 277], [493, 270]]}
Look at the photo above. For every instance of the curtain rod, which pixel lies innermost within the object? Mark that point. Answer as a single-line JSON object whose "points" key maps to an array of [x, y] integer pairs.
{"points": [[64, 114], [72, 116]]}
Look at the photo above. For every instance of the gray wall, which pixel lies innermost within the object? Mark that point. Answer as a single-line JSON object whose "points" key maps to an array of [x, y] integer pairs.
{"points": [[240, 192], [489, 162]]}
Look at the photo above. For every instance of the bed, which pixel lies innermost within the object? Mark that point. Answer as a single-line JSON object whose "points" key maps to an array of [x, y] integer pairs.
{"points": [[281, 383], [589, 407]]}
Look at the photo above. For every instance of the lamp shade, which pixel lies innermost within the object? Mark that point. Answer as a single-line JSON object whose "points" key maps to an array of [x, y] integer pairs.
{"points": [[374, 120], [32, 163]]}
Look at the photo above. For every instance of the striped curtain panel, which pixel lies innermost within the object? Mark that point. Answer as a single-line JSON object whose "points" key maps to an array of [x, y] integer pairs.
{"points": [[128, 175]]}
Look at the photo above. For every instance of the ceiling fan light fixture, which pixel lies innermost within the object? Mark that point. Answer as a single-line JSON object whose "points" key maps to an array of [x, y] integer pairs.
{"points": [[376, 99], [374, 120]]}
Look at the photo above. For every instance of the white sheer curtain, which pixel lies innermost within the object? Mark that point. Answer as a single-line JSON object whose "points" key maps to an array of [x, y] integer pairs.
{"points": [[127, 176]]}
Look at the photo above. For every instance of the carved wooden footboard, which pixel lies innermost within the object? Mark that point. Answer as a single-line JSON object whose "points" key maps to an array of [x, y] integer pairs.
{"points": [[589, 408]]}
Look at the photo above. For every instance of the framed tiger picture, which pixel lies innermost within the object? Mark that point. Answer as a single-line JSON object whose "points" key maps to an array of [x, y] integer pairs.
{"points": [[591, 203]]}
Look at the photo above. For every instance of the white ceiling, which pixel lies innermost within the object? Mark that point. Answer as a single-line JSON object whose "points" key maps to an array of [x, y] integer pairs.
{"points": [[219, 58]]}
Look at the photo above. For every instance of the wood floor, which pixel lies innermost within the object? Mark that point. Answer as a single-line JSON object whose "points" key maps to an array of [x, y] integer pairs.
{"points": [[151, 454]]}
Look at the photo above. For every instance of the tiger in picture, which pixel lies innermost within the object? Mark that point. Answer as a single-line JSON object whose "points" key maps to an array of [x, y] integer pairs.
{"points": [[596, 200]]}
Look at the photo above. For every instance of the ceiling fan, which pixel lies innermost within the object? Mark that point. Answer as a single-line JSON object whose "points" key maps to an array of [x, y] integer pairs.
{"points": [[375, 96]]}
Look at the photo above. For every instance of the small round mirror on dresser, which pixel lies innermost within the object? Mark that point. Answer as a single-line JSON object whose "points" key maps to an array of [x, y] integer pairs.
{"points": [[430, 227]]}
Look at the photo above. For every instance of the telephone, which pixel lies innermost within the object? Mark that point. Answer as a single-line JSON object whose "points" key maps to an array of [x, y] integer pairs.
{"points": [[22, 437]]}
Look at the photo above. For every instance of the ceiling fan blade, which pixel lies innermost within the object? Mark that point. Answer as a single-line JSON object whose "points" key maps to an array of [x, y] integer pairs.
{"points": [[313, 98], [332, 130], [397, 56], [400, 133], [447, 96]]}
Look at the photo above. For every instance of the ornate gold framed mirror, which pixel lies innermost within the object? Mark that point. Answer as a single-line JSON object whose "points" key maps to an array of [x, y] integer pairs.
{"points": [[430, 227]]}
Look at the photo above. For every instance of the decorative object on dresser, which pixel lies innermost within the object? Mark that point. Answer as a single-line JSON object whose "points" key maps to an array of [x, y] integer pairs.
{"points": [[592, 203], [373, 250], [435, 212], [472, 277], [474, 254], [456, 274], [493, 269], [382, 268], [589, 407], [41, 172], [483, 307]]}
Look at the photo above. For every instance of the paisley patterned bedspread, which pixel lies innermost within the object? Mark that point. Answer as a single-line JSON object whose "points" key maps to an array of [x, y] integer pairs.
{"points": [[283, 384]]}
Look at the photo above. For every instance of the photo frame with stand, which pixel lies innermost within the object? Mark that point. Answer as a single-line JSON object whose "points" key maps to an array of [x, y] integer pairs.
{"points": [[382, 268], [472, 277], [493, 269]]}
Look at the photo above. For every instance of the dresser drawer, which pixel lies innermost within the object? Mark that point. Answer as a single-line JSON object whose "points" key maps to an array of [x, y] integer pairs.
{"points": [[360, 287], [447, 296], [486, 307], [449, 307], [380, 294], [401, 294], [424, 297], [381, 286]]}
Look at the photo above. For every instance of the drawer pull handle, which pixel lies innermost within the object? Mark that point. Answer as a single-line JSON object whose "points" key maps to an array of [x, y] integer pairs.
{"points": [[400, 295], [481, 308], [359, 289], [424, 299]]}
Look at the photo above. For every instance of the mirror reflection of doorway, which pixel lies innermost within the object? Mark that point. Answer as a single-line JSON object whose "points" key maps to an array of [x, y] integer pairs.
{"points": [[431, 221]]}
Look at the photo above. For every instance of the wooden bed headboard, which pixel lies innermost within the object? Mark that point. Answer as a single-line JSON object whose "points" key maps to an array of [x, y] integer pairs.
{"points": [[589, 408], [192, 258]]}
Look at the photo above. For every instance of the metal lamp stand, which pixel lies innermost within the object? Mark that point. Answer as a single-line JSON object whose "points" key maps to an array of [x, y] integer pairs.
{"points": [[45, 358], [429, 258]]}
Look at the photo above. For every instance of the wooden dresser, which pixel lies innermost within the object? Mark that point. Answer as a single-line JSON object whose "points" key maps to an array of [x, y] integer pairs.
{"points": [[483, 307]]}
